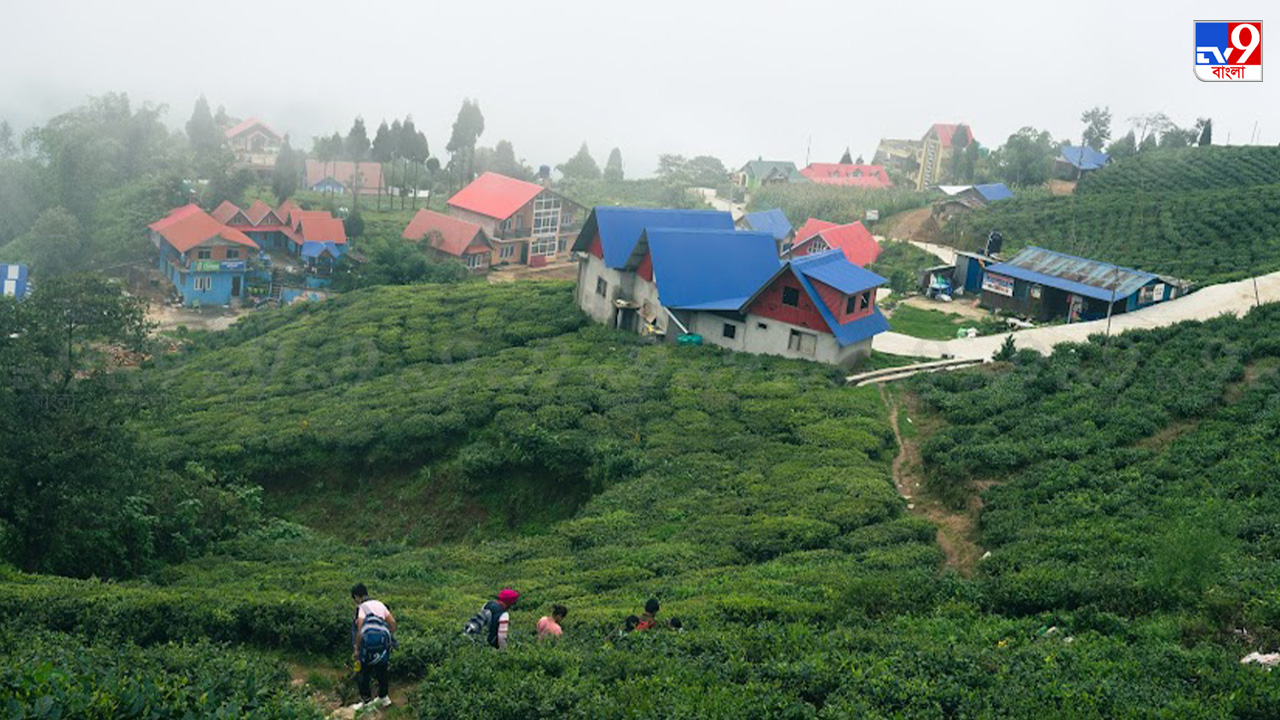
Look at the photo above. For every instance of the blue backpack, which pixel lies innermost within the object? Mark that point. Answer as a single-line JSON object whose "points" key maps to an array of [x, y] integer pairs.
{"points": [[376, 640]]}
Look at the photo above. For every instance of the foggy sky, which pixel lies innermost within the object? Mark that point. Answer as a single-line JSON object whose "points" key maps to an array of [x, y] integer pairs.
{"points": [[734, 79]]}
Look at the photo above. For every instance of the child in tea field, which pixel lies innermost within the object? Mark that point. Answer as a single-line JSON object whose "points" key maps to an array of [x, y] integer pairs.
{"points": [[494, 619], [549, 626], [373, 637]]}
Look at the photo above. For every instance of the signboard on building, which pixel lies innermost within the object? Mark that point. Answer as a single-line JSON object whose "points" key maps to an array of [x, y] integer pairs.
{"points": [[205, 266], [232, 265], [998, 284], [1151, 293]]}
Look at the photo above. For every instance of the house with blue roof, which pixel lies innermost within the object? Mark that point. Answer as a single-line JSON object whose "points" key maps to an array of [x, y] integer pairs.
{"points": [[729, 288], [1076, 161], [771, 221], [13, 281], [1043, 285]]}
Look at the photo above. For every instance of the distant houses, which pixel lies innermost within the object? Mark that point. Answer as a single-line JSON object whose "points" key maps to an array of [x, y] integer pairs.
{"points": [[925, 160], [526, 223], [343, 176], [767, 172], [774, 222], [14, 281], [689, 275], [961, 199], [848, 175], [255, 145], [447, 237], [1074, 162], [853, 240], [207, 261]]}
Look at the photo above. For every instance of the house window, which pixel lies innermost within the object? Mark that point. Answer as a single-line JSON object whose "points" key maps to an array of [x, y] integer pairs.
{"points": [[475, 261], [730, 330], [560, 244], [864, 300], [602, 287], [546, 215], [791, 296], [506, 252], [761, 326], [542, 246], [818, 246], [851, 305], [201, 284], [204, 254], [233, 253], [802, 342]]}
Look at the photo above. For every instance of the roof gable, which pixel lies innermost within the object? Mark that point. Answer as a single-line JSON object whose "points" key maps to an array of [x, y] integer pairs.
{"points": [[710, 269], [455, 235], [855, 242], [322, 227], [250, 124], [260, 213], [771, 221], [189, 226], [1084, 158], [831, 268], [228, 212], [812, 227], [496, 196], [620, 227]]}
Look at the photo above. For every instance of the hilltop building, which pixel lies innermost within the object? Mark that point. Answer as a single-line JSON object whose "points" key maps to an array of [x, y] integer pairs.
{"points": [[451, 237], [767, 172], [669, 274], [1074, 162], [848, 175], [964, 198], [255, 145], [1043, 285], [925, 160], [526, 223]]}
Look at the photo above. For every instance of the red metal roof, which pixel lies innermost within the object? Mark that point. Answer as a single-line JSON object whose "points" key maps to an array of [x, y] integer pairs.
{"points": [[812, 227], [854, 240], [319, 226], [284, 211], [344, 172], [851, 174], [496, 196], [189, 226], [455, 235], [249, 125], [224, 212], [259, 211], [947, 131]]}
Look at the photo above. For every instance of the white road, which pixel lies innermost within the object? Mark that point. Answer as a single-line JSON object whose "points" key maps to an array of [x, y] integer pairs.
{"points": [[1235, 298]]}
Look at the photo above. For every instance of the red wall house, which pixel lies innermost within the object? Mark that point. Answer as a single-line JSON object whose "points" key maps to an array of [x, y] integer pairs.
{"points": [[773, 304]]}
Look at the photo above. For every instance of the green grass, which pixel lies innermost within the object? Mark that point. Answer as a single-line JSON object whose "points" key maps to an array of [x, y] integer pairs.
{"points": [[927, 324]]}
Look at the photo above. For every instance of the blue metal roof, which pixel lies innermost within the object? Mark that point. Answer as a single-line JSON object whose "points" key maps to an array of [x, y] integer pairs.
{"points": [[620, 227], [710, 269], [13, 280], [992, 192], [833, 269], [1081, 276], [313, 249], [771, 221], [1084, 158]]}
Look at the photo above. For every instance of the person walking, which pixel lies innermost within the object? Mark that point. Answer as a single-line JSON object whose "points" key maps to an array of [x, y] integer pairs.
{"points": [[549, 625], [494, 619], [372, 638]]}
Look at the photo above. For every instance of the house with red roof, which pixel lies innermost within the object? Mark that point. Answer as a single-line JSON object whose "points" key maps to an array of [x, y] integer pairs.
{"points": [[451, 237], [344, 176], [526, 223], [848, 175], [926, 160], [255, 144], [857, 243], [207, 261]]}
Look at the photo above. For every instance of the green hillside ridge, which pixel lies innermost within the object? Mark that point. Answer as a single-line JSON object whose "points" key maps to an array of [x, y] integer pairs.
{"points": [[1187, 169], [754, 496]]}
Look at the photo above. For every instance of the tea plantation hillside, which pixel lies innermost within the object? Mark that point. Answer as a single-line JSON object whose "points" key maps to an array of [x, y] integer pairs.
{"points": [[754, 497], [1203, 214]]}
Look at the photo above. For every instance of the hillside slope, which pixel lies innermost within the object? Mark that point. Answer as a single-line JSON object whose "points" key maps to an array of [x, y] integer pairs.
{"points": [[1187, 169]]}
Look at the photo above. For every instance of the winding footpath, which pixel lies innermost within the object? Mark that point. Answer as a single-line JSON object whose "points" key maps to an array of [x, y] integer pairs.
{"points": [[1235, 298]]}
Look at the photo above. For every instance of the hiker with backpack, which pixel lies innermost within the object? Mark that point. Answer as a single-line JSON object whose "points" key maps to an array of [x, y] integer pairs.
{"points": [[372, 638], [494, 620]]}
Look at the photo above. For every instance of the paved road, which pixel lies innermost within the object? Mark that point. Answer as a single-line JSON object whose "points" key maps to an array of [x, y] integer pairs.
{"points": [[1235, 298]]}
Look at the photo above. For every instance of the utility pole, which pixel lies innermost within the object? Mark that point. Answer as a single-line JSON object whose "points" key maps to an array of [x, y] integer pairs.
{"points": [[807, 148], [1115, 278]]}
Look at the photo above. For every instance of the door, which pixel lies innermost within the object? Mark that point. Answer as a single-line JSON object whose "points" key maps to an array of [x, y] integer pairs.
{"points": [[235, 286]]}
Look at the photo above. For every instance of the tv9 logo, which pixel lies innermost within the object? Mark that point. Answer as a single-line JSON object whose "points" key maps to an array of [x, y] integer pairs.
{"points": [[1229, 51]]}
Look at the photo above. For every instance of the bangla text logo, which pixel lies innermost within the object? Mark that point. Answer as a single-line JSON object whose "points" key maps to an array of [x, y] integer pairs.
{"points": [[1229, 51]]}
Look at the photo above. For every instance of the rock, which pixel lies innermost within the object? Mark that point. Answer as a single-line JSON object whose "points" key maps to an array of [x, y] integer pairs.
{"points": [[1269, 660]]}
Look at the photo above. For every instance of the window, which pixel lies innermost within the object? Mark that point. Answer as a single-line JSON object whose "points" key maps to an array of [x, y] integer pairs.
{"points": [[851, 305], [201, 283], [730, 330], [602, 287], [506, 252], [542, 246], [560, 244], [546, 215], [762, 326], [233, 253], [475, 261], [791, 296], [864, 300], [802, 342], [204, 254], [818, 246]]}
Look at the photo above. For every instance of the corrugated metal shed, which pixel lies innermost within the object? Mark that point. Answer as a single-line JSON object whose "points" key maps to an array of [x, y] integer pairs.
{"points": [[1081, 276], [710, 269]]}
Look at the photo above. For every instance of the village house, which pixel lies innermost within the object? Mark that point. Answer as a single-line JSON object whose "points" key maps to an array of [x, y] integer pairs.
{"points": [[857, 243], [1042, 285], [774, 222], [451, 237], [767, 172], [848, 175], [724, 287], [960, 199], [207, 261], [13, 281], [255, 145], [1073, 162], [925, 160], [343, 176], [526, 223]]}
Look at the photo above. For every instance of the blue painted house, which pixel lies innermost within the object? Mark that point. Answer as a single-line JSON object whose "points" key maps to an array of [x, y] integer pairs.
{"points": [[1043, 285], [13, 281], [208, 262]]}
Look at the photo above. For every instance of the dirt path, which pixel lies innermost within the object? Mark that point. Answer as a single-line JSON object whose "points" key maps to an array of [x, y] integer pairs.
{"points": [[333, 690], [957, 529]]}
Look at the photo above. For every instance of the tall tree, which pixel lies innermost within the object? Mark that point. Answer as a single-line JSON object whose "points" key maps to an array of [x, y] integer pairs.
{"points": [[1204, 128], [202, 131], [7, 146], [467, 129], [284, 176], [674, 170], [706, 171], [846, 158], [1147, 124], [357, 147], [581, 166], [1126, 146], [613, 166], [1148, 143], [1097, 127], [416, 151], [56, 243], [382, 147], [1026, 158]]}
